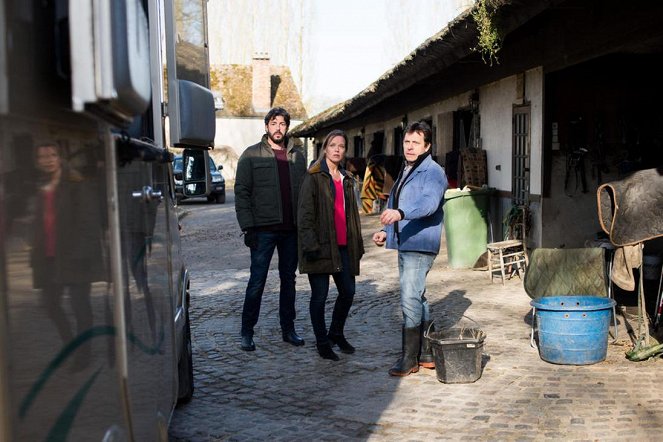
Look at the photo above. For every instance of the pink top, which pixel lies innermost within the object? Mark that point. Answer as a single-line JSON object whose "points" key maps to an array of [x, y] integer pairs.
{"points": [[339, 214]]}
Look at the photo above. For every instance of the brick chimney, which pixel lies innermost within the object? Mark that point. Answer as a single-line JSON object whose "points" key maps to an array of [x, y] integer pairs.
{"points": [[262, 83]]}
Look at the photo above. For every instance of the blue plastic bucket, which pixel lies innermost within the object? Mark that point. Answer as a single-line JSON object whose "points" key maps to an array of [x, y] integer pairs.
{"points": [[573, 330]]}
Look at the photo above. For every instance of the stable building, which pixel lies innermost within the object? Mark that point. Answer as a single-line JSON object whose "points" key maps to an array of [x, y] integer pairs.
{"points": [[571, 100]]}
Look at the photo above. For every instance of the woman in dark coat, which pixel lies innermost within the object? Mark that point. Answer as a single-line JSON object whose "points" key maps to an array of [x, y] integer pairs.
{"points": [[330, 242], [66, 255]]}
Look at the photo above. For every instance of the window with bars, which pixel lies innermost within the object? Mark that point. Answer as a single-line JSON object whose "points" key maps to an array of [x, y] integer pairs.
{"points": [[521, 155]]}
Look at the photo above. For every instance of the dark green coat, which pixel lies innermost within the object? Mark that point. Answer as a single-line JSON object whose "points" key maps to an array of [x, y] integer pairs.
{"points": [[257, 189], [318, 251]]}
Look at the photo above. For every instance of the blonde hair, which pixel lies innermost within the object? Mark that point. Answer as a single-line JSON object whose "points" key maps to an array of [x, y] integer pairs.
{"points": [[330, 136]]}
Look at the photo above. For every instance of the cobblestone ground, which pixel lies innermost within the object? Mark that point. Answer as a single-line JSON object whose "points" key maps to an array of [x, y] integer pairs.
{"points": [[280, 392]]}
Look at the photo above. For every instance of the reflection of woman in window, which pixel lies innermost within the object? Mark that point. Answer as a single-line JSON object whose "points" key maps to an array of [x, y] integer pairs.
{"points": [[66, 253]]}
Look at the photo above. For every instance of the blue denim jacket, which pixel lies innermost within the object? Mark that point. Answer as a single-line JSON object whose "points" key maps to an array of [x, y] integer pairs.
{"points": [[421, 199]]}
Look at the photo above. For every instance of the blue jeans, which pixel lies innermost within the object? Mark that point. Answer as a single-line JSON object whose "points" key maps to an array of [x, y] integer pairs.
{"points": [[413, 268], [345, 283], [261, 256]]}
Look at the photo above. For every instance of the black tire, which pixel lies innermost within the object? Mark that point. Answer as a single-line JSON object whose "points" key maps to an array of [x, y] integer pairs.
{"points": [[185, 366], [211, 199], [221, 198]]}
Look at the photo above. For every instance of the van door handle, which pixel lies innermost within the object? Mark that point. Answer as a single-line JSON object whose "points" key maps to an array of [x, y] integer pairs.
{"points": [[148, 194]]}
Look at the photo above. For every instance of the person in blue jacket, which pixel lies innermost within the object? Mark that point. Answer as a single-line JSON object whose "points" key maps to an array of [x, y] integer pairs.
{"points": [[413, 225]]}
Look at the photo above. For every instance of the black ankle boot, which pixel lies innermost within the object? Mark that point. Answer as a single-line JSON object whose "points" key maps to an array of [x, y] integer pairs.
{"points": [[342, 343], [325, 351], [426, 359], [408, 363]]}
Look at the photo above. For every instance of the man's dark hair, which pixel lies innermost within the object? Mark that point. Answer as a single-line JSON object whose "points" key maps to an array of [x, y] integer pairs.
{"points": [[422, 128], [277, 112]]}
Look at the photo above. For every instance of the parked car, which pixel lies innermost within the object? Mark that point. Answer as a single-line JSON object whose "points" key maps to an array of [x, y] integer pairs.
{"points": [[216, 192]]}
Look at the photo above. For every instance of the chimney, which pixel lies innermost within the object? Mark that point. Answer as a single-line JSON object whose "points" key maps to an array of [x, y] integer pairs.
{"points": [[262, 83]]}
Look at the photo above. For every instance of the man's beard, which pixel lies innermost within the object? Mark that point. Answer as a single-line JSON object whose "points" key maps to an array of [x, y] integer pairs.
{"points": [[277, 141]]}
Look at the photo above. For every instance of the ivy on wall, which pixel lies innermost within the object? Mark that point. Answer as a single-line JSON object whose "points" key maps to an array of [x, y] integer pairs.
{"points": [[489, 40]]}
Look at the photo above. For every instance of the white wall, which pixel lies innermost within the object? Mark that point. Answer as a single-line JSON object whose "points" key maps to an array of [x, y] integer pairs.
{"points": [[496, 101], [240, 133], [442, 115], [495, 107], [534, 91]]}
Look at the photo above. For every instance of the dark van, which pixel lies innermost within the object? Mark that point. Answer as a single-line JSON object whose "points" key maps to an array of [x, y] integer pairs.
{"points": [[95, 333]]}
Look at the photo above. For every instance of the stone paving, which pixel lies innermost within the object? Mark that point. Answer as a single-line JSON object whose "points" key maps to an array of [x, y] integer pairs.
{"points": [[280, 392]]}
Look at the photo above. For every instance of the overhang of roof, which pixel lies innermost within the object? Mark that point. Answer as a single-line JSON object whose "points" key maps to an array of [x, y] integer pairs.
{"points": [[453, 43]]}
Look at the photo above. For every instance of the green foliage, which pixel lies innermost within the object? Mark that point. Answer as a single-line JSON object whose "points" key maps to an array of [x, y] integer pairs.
{"points": [[490, 38]]}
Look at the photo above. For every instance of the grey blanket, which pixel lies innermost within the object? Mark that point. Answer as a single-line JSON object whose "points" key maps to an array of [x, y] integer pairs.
{"points": [[631, 209]]}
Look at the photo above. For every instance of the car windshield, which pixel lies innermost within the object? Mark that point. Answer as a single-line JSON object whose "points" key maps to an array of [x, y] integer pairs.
{"points": [[177, 164]]}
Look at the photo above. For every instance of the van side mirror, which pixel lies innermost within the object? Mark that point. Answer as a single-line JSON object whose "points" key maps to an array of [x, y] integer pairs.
{"points": [[220, 168]]}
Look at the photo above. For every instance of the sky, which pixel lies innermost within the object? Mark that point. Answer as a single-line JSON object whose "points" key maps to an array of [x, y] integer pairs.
{"points": [[334, 48], [354, 42]]}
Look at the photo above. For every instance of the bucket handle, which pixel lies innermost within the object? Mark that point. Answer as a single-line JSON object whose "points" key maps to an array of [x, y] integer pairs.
{"points": [[427, 332], [532, 342]]}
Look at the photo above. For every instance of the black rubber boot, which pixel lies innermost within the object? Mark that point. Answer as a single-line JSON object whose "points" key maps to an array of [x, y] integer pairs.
{"points": [[336, 327], [426, 359], [408, 363], [325, 351], [342, 343]]}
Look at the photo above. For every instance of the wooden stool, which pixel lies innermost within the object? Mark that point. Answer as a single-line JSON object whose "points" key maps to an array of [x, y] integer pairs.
{"points": [[510, 253]]}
